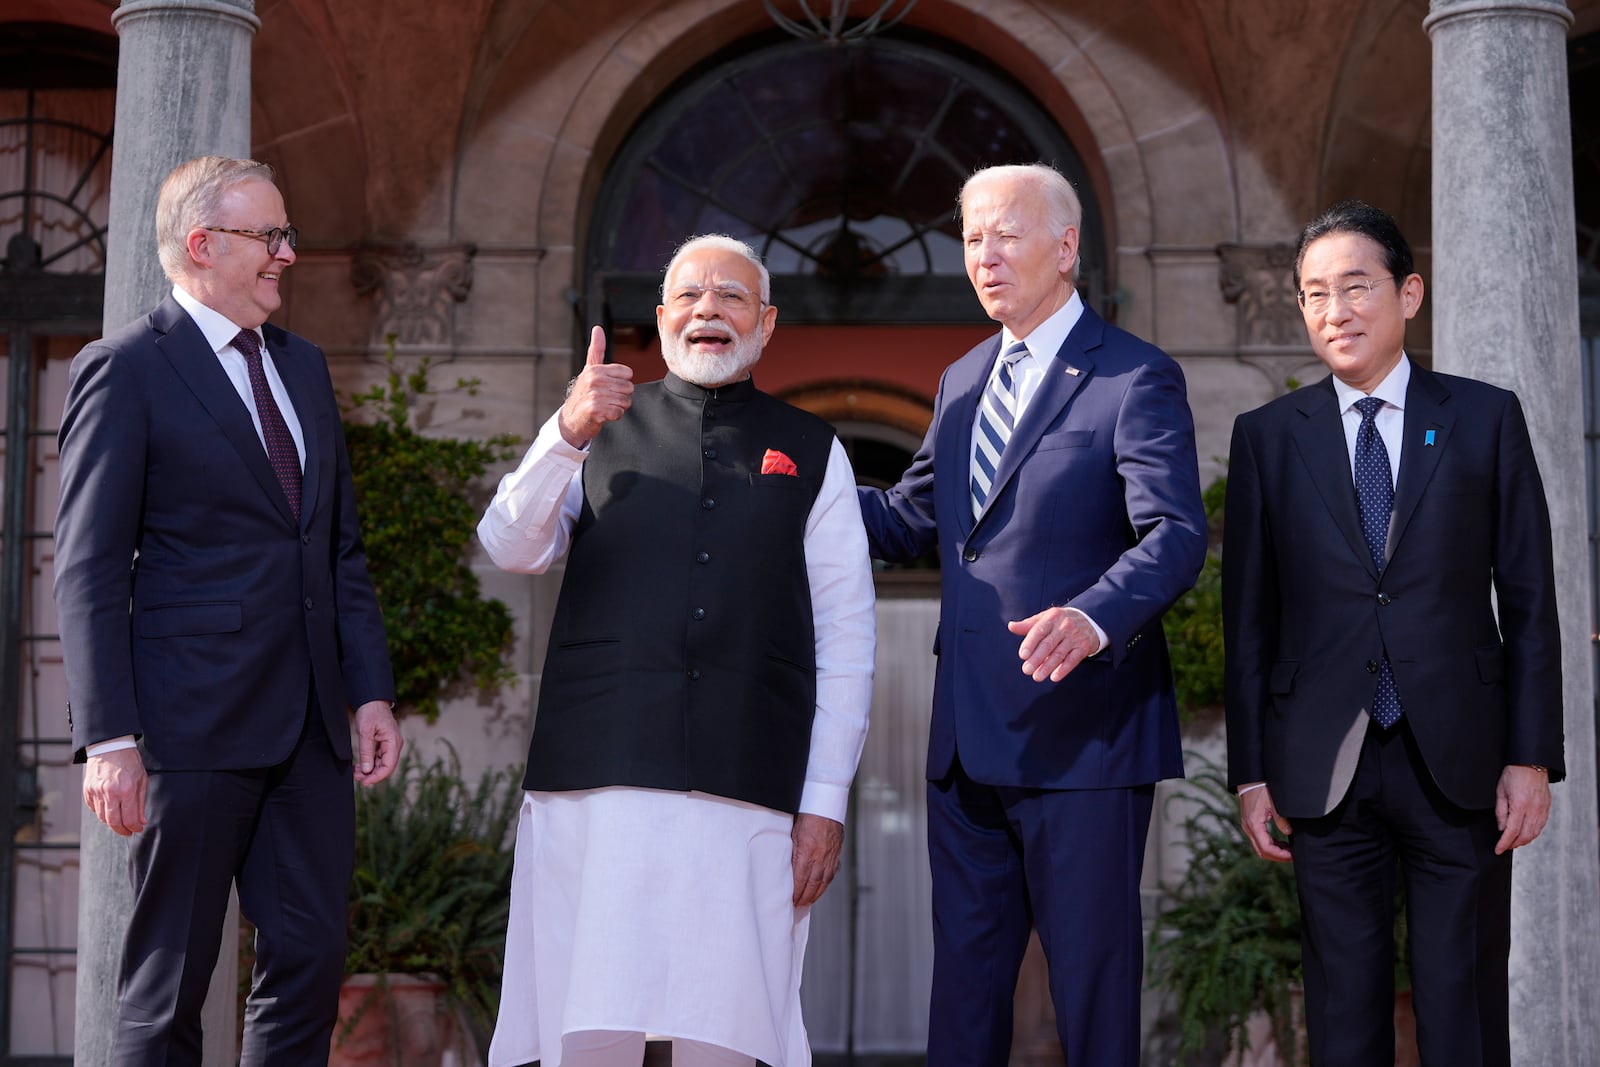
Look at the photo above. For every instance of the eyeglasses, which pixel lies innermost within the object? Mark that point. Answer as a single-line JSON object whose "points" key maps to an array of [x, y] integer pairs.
{"points": [[727, 297], [1354, 294], [274, 237]]}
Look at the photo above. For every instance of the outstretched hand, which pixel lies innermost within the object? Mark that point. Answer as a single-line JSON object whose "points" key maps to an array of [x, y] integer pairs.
{"points": [[1054, 642], [601, 393]]}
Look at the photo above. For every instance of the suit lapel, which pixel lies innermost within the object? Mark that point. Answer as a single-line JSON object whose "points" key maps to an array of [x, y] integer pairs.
{"points": [[190, 355], [1428, 423], [1319, 437], [968, 378], [1063, 376], [293, 359]]}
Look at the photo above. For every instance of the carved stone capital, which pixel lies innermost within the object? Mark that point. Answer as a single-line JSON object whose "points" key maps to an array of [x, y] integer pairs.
{"points": [[415, 289], [1259, 281]]}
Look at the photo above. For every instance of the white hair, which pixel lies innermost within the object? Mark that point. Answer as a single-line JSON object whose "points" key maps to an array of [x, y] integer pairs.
{"points": [[727, 244], [1062, 206]]}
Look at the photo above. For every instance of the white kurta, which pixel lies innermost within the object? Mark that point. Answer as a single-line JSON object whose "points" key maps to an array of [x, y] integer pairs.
{"points": [[663, 912]]}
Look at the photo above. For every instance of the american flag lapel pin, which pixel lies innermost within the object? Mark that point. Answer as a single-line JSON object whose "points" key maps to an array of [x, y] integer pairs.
{"points": [[1072, 370]]}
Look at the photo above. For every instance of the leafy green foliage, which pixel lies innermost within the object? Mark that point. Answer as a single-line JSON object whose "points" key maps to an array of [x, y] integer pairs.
{"points": [[1230, 941], [419, 512], [432, 886], [1194, 624], [1228, 944]]}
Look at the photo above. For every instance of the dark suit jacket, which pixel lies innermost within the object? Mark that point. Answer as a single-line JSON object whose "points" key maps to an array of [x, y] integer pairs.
{"points": [[194, 611], [1096, 505], [1308, 617]]}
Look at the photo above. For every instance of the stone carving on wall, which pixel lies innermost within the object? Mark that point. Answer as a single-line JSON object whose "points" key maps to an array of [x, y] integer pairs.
{"points": [[415, 290], [1259, 280]]}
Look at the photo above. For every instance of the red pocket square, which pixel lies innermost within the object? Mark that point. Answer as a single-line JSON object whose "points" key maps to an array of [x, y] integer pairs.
{"points": [[775, 462]]}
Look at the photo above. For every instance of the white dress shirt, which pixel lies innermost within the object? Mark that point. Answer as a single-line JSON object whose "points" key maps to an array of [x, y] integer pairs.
{"points": [[1390, 420]]}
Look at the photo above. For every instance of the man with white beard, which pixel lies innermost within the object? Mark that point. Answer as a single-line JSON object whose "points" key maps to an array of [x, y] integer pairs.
{"points": [[704, 697]]}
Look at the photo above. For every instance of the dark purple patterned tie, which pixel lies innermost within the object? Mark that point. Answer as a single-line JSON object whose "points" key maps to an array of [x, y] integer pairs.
{"points": [[280, 445]]}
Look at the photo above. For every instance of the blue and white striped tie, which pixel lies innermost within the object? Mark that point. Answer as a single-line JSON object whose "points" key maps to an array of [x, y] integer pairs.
{"points": [[997, 417]]}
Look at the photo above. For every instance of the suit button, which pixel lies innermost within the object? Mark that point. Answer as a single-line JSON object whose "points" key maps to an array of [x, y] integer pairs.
{"points": [[694, 674], [1372, 666], [306, 540], [699, 613], [702, 557], [970, 555], [708, 503], [310, 605], [1385, 599]]}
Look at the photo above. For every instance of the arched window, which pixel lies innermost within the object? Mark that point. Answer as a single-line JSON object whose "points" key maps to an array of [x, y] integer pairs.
{"points": [[841, 165]]}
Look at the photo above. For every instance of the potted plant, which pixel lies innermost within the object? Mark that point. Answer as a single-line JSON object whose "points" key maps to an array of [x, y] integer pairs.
{"points": [[428, 908], [1227, 945]]}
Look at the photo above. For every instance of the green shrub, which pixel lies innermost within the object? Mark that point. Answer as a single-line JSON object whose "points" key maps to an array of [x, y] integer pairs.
{"points": [[420, 501], [1194, 623], [432, 887]]}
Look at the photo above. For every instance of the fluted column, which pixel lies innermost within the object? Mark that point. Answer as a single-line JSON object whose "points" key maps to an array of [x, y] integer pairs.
{"points": [[1505, 309], [183, 90]]}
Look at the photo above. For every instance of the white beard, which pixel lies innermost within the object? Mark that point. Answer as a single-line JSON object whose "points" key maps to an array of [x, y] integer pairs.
{"points": [[710, 370]]}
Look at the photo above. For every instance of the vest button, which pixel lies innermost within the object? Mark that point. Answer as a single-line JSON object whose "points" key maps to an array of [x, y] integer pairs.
{"points": [[708, 503], [710, 453], [694, 674], [699, 613], [310, 604], [1372, 666], [970, 555], [702, 557]]}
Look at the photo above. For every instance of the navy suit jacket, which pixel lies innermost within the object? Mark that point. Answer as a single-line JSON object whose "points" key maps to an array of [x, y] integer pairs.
{"points": [[1096, 505], [194, 611], [1308, 617]]}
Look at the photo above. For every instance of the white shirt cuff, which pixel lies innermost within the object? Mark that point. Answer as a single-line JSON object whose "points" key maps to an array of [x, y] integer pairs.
{"points": [[115, 744]]}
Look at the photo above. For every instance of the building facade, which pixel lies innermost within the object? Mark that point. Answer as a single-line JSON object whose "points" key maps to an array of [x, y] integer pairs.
{"points": [[482, 181]]}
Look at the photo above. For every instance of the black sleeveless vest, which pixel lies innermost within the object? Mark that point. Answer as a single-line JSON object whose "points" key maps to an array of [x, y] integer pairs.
{"points": [[682, 654]]}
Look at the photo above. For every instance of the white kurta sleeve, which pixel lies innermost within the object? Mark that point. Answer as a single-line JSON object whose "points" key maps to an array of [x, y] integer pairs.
{"points": [[843, 614], [529, 522]]}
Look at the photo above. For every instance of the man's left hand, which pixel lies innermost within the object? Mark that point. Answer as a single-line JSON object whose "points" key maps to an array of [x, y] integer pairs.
{"points": [[1521, 806], [378, 742], [1054, 642], [817, 843]]}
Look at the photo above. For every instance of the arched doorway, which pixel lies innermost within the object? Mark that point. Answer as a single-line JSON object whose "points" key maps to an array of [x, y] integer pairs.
{"points": [[57, 87], [841, 166]]}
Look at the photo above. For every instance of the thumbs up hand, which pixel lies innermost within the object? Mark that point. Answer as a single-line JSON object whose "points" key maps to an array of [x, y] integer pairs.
{"points": [[601, 393]]}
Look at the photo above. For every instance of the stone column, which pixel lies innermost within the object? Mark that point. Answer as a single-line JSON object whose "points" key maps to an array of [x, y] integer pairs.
{"points": [[1505, 309], [183, 90]]}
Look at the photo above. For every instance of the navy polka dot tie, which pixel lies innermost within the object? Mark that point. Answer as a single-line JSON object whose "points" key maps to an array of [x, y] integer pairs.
{"points": [[281, 452], [1375, 497]]}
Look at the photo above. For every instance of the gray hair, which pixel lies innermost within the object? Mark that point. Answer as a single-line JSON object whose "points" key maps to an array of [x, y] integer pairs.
{"points": [[1063, 209], [727, 244], [189, 198]]}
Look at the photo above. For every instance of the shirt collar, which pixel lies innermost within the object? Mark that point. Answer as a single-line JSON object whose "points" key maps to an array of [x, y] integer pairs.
{"points": [[1392, 390], [218, 329], [1048, 337]]}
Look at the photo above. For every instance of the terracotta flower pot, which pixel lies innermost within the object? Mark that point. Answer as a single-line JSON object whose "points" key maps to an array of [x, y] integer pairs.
{"points": [[391, 1020]]}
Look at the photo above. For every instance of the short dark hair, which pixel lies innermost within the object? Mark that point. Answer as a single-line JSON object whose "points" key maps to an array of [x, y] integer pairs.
{"points": [[1362, 219]]}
